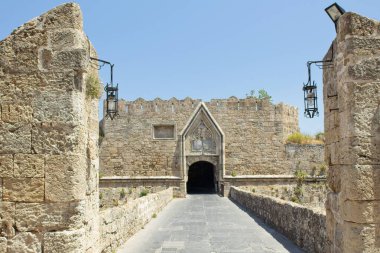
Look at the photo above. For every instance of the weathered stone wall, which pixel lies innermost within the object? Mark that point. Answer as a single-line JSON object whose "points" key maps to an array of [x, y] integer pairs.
{"points": [[311, 193], [48, 137], [306, 157], [113, 189], [305, 227], [352, 131], [119, 223], [255, 131]]}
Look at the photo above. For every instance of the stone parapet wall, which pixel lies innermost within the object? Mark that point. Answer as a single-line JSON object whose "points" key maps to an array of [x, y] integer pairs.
{"points": [[48, 137], [119, 223], [305, 227]]}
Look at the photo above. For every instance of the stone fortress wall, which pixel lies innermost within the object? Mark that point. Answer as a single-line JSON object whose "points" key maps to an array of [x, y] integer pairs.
{"points": [[255, 131]]}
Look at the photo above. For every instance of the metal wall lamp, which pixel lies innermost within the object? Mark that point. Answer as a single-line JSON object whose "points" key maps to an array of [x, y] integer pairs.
{"points": [[112, 96], [335, 12], [310, 88]]}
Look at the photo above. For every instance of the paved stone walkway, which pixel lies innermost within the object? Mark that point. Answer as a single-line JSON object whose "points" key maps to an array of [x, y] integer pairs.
{"points": [[205, 224]]}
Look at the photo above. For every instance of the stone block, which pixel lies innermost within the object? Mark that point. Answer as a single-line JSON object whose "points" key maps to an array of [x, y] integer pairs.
{"points": [[64, 241], [15, 138], [334, 178], [360, 211], [66, 15], [360, 182], [29, 165], [23, 189], [359, 237], [54, 138], [70, 59], [362, 46], [13, 113], [66, 38], [53, 106], [7, 219], [41, 217], [65, 178], [45, 56], [6, 165], [354, 24], [368, 69], [25, 242], [3, 245]]}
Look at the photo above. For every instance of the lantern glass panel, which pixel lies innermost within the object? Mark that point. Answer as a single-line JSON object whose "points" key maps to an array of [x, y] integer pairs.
{"points": [[310, 98], [111, 105]]}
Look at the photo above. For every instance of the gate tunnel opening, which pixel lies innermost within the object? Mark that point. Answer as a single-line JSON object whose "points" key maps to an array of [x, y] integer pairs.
{"points": [[201, 178]]}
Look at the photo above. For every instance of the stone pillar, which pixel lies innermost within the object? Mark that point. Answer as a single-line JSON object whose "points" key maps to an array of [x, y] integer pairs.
{"points": [[48, 136], [352, 126]]}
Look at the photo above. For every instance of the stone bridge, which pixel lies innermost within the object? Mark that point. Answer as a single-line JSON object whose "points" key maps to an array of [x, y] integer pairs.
{"points": [[205, 223]]}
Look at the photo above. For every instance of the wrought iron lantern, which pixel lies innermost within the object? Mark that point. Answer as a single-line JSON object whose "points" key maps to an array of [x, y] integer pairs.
{"points": [[112, 101], [112, 96], [310, 96], [335, 12]]}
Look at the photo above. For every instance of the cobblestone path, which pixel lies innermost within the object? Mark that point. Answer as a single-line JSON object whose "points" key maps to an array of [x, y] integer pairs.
{"points": [[206, 223]]}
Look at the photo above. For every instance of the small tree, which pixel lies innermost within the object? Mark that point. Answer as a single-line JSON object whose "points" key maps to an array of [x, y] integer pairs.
{"points": [[263, 94]]}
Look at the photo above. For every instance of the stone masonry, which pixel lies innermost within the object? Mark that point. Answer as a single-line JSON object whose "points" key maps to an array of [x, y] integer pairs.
{"points": [[48, 137], [352, 130], [251, 126], [248, 136]]}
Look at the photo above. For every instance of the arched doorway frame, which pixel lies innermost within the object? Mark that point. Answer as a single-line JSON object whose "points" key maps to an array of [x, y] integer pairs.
{"points": [[187, 157]]}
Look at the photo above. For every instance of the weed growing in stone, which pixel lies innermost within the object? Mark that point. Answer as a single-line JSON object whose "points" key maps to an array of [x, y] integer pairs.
{"points": [[154, 215], [93, 87], [122, 193], [144, 192]]}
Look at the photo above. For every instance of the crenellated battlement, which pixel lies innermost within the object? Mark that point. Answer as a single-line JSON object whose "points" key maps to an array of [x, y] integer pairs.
{"points": [[174, 105]]}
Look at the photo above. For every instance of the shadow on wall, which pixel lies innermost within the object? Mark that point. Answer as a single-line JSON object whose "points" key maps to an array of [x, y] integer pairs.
{"points": [[376, 171]]}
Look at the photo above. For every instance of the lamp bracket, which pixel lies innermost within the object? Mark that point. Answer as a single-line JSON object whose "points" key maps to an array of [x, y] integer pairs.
{"points": [[105, 62]]}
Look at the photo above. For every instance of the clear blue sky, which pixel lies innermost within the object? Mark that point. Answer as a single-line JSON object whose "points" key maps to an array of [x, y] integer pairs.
{"points": [[205, 48]]}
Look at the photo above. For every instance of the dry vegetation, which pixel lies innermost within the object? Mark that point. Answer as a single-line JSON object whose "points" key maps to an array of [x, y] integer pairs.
{"points": [[299, 138]]}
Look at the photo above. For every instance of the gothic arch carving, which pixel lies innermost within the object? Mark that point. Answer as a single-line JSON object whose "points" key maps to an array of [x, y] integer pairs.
{"points": [[202, 139]]}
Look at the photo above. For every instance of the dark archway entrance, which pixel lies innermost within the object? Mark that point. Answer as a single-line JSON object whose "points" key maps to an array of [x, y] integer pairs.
{"points": [[201, 178]]}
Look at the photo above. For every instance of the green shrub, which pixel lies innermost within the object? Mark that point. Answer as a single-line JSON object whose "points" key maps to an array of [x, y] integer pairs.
{"points": [[320, 136], [93, 87], [322, 170], [300, 176], [122, 193], [101, 195], [115, 202], [154, 215], [253, 190], [233, 173], [295, 199], [298, 192], [144, 192]]}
